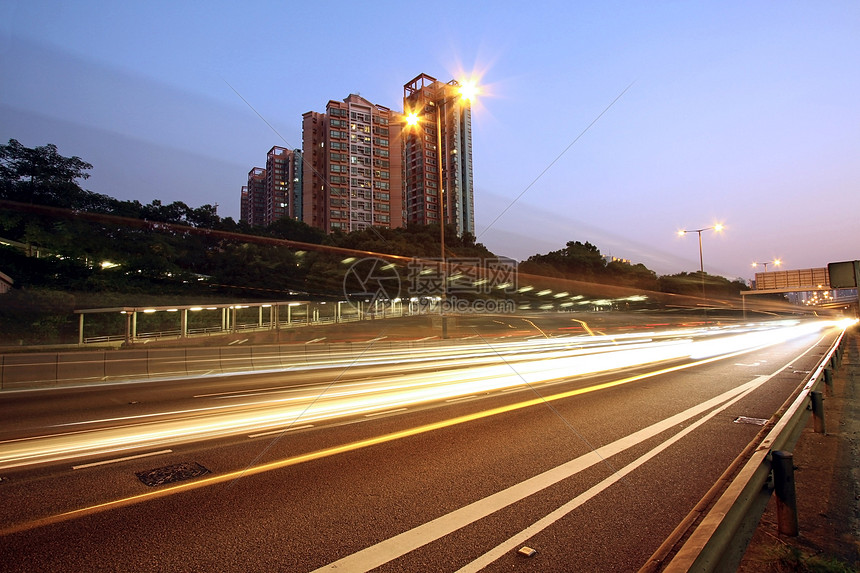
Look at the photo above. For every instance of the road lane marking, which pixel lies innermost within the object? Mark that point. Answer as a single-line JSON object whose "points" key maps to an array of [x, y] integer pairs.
{"points": [[408, 541], [353, 446], [461, 398], [117, 460], [282, 430], [538, 526], [372, 414]]}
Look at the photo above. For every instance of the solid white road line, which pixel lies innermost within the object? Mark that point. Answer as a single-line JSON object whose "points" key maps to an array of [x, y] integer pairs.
{"points": [[406, 542], [394, 547], [579, 500]]}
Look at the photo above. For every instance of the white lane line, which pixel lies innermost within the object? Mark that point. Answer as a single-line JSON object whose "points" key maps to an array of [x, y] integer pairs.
{"points": [[514, 389], [383, 413], [538, 526], [461, 398], [125, 459], [282, 430], [399, 545]]}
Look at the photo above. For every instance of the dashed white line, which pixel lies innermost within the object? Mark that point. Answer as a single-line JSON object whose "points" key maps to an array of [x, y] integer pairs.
{"points": [[383, 413], [125, 459], [460, 398], [281, 431]]}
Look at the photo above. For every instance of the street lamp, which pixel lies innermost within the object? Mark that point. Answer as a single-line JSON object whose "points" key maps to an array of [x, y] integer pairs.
{"points": [[466, 91], [776, 262], [718, 227]]}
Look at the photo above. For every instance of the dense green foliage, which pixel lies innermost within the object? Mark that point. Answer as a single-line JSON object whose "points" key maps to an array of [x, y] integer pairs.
{"points": [[124, 251]]}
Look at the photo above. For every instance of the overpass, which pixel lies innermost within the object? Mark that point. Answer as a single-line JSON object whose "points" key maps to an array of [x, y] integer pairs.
{"points": [[842, 275]]}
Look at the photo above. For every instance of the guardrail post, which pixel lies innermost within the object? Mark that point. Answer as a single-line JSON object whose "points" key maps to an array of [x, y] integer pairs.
{"points": [[786, 500], [818, 412], [828, 381]]}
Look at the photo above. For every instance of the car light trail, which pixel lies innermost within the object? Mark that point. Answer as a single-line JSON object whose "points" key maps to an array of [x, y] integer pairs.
{"points": [[393, 387]]}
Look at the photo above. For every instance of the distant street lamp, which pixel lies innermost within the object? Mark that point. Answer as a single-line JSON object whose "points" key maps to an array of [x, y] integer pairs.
{"points": [[718, 227], [776, 262]]}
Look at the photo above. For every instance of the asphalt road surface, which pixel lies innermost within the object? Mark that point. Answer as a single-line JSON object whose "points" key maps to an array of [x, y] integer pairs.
{"points": [[588, 451]]}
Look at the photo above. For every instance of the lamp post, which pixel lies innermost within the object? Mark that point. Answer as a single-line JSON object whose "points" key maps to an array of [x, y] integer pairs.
{"points": [[718, 227], [466, 91]]}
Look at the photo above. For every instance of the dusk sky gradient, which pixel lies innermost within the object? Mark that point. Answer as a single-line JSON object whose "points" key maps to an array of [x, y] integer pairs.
{"points": [[740, 113]]}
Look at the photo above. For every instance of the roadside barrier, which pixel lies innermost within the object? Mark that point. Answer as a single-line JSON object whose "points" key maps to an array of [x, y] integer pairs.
{"points": [[58, 369]]}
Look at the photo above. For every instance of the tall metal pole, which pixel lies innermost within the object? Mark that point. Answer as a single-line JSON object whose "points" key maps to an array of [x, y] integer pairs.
{"points": [[442, 213], [701, 263], [701, 259], [442, 209]]}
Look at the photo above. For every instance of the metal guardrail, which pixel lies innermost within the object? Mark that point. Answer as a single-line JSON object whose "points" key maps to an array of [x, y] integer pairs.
{"points": [[719, 541]]}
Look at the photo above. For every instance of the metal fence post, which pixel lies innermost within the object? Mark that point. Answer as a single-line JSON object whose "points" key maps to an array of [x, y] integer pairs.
{"points": [[786, 500], [828, 381], [818, 412]]}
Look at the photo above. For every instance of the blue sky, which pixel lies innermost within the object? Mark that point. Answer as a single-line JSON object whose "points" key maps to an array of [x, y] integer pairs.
{"points": [[743, 113]]}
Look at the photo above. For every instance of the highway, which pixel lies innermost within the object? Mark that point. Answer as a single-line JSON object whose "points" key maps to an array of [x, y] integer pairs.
{"points": [[588, 449]]}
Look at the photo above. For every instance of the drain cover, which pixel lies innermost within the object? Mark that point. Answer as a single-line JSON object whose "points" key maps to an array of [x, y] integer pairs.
{"points": [[170, 474], [755, 421]]}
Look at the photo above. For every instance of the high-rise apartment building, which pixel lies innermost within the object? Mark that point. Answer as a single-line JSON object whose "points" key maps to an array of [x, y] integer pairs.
{"points": [[244, 204], [352, 175], [276, 191], [362, 164], [444, 117], [283, 184], [256, 197]]}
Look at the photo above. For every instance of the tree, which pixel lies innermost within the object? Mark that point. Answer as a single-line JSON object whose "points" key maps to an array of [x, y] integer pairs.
{"points": [[577, 260], [41, 175]]}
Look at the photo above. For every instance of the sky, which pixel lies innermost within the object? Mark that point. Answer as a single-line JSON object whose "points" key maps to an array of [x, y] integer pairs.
{"points": [[616, 123]]}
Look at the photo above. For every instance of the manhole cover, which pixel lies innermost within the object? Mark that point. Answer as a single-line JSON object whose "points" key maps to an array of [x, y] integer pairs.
{"points": [[170, 474], [754, 421]]}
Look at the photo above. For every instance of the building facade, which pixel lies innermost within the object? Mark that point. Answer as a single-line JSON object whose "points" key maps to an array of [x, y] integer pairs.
{"points": [[441, 138], [276, 191], [353, 166], [362, 165], [256, 196]]}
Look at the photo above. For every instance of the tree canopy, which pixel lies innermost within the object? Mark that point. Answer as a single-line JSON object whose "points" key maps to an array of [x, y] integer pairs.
{"points": [[103, 255]]}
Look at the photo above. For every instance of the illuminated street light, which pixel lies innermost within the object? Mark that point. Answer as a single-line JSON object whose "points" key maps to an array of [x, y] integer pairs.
{"points": [[467, 91], [775, 262], [718, 228]]}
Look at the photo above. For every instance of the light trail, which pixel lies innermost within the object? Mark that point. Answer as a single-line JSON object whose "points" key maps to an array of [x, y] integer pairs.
{"points": [[393, 387], [353, 446]]}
